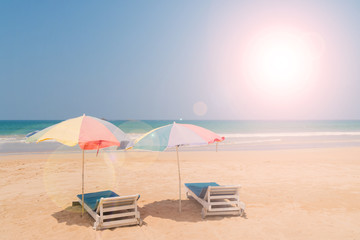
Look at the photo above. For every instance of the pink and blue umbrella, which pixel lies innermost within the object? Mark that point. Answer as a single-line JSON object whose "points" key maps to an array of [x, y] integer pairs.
{"points": [[175, 135]]}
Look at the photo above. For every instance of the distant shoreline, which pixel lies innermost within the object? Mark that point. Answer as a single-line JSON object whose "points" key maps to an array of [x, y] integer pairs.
{"points": [[239, 135]]}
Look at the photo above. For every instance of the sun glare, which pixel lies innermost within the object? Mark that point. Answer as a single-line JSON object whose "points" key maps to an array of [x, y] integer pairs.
{"points": [[279, 63]]}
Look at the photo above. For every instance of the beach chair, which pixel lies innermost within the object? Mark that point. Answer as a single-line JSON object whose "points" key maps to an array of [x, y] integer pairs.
{"points": [[216, 199], [111, 210]]}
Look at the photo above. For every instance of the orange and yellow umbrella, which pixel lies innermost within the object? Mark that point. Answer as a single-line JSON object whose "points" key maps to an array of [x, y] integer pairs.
{"points": [[88, 132]]}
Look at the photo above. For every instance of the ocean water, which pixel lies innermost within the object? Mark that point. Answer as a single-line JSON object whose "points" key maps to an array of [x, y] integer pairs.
{"points": [[240, 135]]}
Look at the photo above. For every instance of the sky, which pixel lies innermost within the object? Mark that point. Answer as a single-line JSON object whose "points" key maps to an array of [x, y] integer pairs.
{"points": [[236, 60]]}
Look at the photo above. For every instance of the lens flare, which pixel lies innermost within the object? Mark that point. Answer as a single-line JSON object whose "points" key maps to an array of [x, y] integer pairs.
{"points": [[134, 160], [200, 108], [62, 174]]}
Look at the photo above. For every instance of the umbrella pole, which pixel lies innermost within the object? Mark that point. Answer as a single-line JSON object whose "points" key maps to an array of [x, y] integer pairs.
{"points": [[82, 208], [177, 154], [216, 146]]}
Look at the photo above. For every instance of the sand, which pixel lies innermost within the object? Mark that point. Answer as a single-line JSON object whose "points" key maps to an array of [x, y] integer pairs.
{"points": [[289, 194]]}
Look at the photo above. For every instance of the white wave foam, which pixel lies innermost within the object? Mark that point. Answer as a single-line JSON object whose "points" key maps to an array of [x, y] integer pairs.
{"points": [[232, 138], [134, 136], [289, 134], [12, 139], [254, 141]]}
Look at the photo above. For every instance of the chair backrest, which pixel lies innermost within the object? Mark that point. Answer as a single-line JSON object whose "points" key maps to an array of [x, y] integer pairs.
{"points": [[117, 203], [228, 191]]}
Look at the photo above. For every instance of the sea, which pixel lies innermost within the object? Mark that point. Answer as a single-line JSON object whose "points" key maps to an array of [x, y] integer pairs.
{"points": [[240, 135]]}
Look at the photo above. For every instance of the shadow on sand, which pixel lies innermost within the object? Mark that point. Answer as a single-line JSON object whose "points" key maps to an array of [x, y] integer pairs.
{"points": [[166, 209], [169, 209], [72, 216]]}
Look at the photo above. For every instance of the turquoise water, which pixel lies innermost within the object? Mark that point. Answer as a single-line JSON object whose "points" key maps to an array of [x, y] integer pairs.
{"points": [[239, 135], [23, 127]]}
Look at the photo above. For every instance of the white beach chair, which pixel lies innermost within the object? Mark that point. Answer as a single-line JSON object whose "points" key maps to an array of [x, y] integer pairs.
{"points": [[111, 210], [216, 199]]}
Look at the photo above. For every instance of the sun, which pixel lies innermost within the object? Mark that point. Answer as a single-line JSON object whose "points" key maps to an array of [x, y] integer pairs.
{"points": [[279, 63]]}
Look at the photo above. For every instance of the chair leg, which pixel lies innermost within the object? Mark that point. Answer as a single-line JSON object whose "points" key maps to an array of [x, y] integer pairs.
{"points": [[203, 213], [241, 212], [95, 227], [139, 220], [96, 223]]}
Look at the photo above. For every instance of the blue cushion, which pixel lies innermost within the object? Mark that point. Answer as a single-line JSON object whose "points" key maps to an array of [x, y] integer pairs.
{"points": [[93, 199], [200, 188]]}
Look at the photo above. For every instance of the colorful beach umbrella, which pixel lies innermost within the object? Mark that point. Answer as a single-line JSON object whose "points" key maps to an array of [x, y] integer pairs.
{"points": [[175, 135], [88, 132]]}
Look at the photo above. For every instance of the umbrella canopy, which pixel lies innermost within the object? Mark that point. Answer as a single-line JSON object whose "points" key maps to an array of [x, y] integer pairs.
{"points": [[89, 133], [175, 135]]}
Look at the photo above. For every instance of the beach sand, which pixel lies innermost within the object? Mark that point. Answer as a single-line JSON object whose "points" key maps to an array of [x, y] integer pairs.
{"points": [[289, 194]]}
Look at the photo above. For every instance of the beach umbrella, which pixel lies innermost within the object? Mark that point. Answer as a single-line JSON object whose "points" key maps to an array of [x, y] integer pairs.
{"points": [[88, 132], [175, 135]]}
